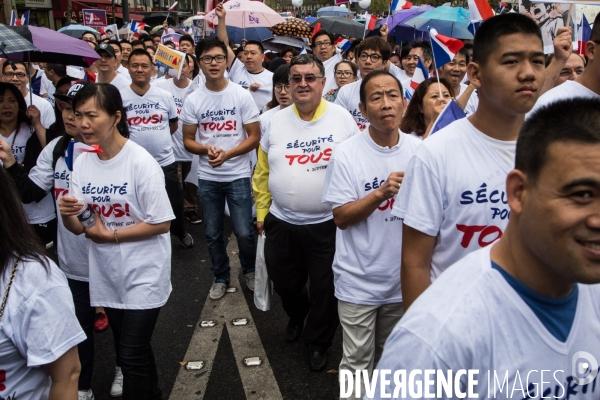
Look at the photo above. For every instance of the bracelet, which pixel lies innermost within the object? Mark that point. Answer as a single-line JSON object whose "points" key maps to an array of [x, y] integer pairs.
{"points": [[116, 237]]}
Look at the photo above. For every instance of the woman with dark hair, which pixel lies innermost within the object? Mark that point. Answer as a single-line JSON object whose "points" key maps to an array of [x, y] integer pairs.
{"points": [[130, 253], [425, 105], [38, 327], [281, 90], [287, 53], [345, 73], [27, 142], [52, 171]]}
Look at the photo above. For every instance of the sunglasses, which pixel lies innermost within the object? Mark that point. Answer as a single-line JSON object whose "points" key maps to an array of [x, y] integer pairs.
{"points": [[297, 79]]}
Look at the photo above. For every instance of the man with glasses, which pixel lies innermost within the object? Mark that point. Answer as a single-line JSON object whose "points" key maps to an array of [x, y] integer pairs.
{"points": [[372, 55], [35, 104], [326, 52], [587, 84], [288, 183], [226, 119], [249, 72]]}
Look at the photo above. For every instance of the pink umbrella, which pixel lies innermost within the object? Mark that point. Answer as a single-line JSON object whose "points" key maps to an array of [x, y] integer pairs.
{"points": [[247, 14]]}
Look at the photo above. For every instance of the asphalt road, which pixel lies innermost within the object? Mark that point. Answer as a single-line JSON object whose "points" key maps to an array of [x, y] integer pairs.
{"points": [[191, 279]]}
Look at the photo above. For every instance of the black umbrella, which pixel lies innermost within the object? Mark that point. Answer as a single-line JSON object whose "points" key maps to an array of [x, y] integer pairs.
{"points": [[158, 18], [278, 43], [341, 26]]}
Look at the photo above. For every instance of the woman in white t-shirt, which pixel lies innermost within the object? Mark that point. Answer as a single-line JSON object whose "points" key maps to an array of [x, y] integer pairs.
{"points": [[345, 73], [425, 105], [39, 332], [130, 248]]}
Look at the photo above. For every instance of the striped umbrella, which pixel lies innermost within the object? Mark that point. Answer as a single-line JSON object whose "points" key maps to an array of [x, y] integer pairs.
{"points": [[293, 27]]}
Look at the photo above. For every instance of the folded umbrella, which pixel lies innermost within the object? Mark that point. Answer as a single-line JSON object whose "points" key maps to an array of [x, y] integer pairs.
{"points": [[341, 26]]}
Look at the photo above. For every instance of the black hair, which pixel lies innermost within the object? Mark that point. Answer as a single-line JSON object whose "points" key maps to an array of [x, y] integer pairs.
{"points": [[146, 38], [196, 68], [489, 33], [125, 41], [369, 77], [395, 55], [22, 117], [320, 33], [238, 51], [465, 53], [107, 99], [115, 42], [59, 69], [256, 43], [187, 38], [307, 59], [169, 42], [18, 237], [140, 52], [425, 47], [15, 63], [137, 43], [89, 33], [288, 49], [375, 43], [595, 29], [572, 120], [281, 75], [208, 44], [404, 51]]}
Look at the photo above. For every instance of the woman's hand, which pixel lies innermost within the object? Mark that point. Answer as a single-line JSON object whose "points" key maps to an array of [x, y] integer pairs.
{"points": [[98, 233], [6, 154], [34, 113], [69, 206]]}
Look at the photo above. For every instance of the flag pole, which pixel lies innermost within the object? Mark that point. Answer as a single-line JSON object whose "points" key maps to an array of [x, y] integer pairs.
{"points": [[437, 75]]}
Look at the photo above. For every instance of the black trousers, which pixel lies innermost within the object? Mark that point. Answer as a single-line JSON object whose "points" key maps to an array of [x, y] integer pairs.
{"points": [[46, 231], [175, 193], [295, 254], [85, 315]]}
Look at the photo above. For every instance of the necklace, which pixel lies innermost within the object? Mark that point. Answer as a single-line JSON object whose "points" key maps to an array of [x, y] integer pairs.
{"points": [[12, 277]]}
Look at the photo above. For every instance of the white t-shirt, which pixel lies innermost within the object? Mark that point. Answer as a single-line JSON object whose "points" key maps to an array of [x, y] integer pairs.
{"points": [[240, 75], [399, 73], [47, 87], [148, 118], [75, 72], [47, 116], [126, 190], [366, 267], [265, 118], [179, 96], [349, 98], [38, 326], [454, 189], [330, 72], [124, 72], [220, 117], [42, 211], [472, 319], [72, 249], [565, 91], [299, 153], [120, 82]]}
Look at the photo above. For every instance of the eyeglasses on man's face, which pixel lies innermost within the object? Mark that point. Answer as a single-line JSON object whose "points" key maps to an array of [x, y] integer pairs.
{"points": [[322, 44], [374, 57], [209, 59], [297, 79]]}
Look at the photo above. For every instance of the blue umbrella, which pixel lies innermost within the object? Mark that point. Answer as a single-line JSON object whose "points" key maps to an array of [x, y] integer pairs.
{"points": [[310, 19], [332, 11], [398, 29], [448, 21], [236, 35], [76, 30]]}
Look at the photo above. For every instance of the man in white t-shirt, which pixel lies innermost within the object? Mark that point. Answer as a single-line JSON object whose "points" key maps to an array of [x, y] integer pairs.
{"points": [[452, 200], [152, 118], [372, 54], [418, 49], [326, 51], [455, 71], [121, 70], [587, 84], [180, 88], [363, 178], [248, 72], [225, 118], [52, 74], [520, 317], [288, 185], [107, 67]]}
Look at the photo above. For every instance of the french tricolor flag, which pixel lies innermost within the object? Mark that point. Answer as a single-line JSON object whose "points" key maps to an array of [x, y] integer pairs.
{"points": [[480, 10], [343, 44], [397, 5], [444, 48], [502, 7], [303, 50], [173, 6], [136, 26], [421, 73], [370, 22], [452, 112], [75, 148], [24, 20], [584, 33]]}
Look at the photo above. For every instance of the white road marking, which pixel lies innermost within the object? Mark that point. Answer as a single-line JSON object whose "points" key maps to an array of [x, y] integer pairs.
{"points": [[258, 381]]}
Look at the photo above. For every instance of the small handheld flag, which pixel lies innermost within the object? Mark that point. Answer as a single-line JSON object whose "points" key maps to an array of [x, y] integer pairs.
{"points": [[343, 44], [444, 48], [303, 50], [452, 112], [502, 7], [584, 33], [173, 6], [75, 148], [13, 18], [480, 10], [397, 5], [421, 73], [370, 22]]}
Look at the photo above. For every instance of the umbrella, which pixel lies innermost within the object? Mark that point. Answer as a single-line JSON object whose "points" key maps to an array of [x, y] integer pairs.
{"points": [[158, 18], [310, 19], [54, 47], [448, 21], [159, 30], [247, 14], [191, 20], [340, 25], [396, 26], [292, 27], [332, 11], [236, 35], [11, 42], [76, 30], [277, 43]]}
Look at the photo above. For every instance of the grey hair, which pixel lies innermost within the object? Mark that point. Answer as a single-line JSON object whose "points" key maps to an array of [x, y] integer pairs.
{"points": [[306, 59]]}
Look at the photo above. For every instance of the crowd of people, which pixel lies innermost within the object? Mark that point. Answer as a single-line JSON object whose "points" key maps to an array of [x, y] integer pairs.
{"points": [[371, 221]]}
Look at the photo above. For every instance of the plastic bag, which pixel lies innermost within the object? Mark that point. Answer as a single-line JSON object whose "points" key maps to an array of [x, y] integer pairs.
{"points": [[262, 285]]}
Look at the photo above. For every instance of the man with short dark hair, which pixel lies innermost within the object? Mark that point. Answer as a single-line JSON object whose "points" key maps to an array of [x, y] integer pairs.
{"points": [[52, 74], [137, 44], [288, 185], [225, 118], [418, 49], [455, 183], [151, 41], [325, 50], [248, 73], [527, 304], [186, 44], [126, 48], [107, 67], [118, 55], [152, 118], [90, 37]]}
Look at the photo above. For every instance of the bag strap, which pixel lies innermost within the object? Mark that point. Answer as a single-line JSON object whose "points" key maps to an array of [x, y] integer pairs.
{"points": [[12, 277], [57, 153]]}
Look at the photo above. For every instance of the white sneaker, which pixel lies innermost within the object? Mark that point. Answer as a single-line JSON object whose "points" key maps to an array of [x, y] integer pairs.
{"points": [[116, 390], [89, 395]]}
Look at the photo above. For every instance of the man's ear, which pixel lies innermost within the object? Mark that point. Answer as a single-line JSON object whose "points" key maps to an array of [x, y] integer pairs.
{"points": [[474, 74], [363, 110]]}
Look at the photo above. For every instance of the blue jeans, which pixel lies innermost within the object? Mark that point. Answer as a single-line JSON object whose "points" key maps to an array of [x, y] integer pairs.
{"points": [[239, 199]]}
